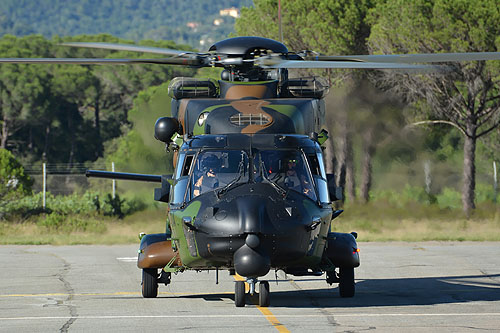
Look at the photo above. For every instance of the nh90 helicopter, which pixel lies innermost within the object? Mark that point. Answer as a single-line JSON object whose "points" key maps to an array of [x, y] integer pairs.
{"points": [[249, 193]]}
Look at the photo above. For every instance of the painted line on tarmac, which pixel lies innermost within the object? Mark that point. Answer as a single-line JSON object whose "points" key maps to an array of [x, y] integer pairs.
{"points": [[265, 311], [127, 259], [258, 316], [118, 293]]}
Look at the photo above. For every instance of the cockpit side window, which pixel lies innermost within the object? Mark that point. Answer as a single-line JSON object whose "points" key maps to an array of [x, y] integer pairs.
{"points": [[314, 164], [179, 194], [187, 165], [320, 180]]}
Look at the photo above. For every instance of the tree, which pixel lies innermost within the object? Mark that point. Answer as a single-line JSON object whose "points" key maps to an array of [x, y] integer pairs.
{"points": [[138, 151], [466, 97], [23, 88], [66, 113], [378, 118], [13, 181]]}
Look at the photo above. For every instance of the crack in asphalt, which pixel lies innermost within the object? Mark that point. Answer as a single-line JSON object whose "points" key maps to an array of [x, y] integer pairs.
{"points": [[71, 293], [69, 289], [67, 286], [487, 275]]}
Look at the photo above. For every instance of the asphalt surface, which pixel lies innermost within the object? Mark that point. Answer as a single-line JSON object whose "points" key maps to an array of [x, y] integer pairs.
{"points": [[409, 287]]}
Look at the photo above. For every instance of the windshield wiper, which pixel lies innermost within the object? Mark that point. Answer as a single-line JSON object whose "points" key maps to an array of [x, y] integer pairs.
{"points": [[273, 183], [234, 181]]}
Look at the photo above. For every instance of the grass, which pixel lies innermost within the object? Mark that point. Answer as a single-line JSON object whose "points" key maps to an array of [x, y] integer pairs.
{"points": [[381, 222], [377, 221], [106, 231]]}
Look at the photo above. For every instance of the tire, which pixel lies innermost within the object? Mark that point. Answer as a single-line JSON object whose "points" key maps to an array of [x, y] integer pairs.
{"points": [[149, 282], [239, 294], [264, 294], [347, 287]]}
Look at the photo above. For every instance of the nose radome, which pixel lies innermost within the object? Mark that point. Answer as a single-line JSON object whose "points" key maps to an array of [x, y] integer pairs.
{"points": [[251, 263]]}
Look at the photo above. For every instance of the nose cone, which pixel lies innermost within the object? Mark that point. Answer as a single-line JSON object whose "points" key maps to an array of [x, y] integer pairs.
{"points": [[251, 263]]}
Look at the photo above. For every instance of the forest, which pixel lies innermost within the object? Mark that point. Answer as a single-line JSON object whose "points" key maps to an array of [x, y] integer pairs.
{"points": [[403, 145], [129, 19]]}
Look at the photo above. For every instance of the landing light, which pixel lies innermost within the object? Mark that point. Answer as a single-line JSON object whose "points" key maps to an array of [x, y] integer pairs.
{"points": [[355, 251]]}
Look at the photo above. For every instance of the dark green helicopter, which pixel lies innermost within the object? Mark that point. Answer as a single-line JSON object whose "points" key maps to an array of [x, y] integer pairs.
{"points": [[249, 193]]}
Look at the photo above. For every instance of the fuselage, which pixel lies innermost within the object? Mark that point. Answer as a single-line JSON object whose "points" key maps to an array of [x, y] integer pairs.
{"points": [[254, 211]]}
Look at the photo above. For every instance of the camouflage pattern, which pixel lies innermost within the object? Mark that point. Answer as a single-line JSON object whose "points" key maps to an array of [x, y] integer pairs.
{"points": [[250, 111]]}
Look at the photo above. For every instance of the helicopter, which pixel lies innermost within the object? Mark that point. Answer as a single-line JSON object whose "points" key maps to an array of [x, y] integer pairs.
{"points": [[249, 193]]}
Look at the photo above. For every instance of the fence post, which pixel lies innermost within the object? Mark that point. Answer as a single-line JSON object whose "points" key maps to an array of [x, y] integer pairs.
{"points": [[114, 181], [44, 184], [428, 177], [495, 182]]}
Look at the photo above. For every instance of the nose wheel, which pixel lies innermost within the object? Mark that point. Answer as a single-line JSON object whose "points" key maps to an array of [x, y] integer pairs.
{"points": [[239, 292], [264, 294]]}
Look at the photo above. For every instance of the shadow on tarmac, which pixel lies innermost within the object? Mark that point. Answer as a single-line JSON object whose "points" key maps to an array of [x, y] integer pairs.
{"points": [[380, 292]]}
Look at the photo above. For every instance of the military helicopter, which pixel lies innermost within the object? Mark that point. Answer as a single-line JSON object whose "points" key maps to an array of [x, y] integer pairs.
{"points": [[249, 193]]}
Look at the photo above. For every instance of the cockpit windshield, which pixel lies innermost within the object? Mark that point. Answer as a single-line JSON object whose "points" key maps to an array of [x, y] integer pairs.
{"points": [[285, 169], [221, 170], [215, 169]]}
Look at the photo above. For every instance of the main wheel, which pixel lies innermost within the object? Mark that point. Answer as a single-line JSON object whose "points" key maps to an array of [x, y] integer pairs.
{"points": [[264, 299], [239, 294], [149, 282], [347, 286]]}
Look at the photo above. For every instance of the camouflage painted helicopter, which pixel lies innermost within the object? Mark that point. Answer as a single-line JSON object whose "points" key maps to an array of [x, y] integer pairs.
{"points": [[249, 192]]}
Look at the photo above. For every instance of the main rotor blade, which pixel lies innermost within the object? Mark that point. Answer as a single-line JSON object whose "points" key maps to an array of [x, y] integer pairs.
{"points": [[128, 47], [412, 58], [193, 61], [346, 64]]}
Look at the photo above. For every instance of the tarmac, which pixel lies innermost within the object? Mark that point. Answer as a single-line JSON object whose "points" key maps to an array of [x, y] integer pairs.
{"points": [[400, 287]]}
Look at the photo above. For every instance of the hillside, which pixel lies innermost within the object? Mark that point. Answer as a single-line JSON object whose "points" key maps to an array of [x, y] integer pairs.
{"points": [[197, 23]]}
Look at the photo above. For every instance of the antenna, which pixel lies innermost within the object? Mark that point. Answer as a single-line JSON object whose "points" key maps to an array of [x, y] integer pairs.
{"points": [[279, 21]]}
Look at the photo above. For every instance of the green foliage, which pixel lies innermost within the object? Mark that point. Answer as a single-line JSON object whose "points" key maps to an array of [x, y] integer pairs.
{"points": [[446, 199], [14, 182], [138, 151], [332, 27], [132, 19], [121, 207], [66, 113], [410, 194], [449, 199], [56, 222], [466, 96], [89, 204]]}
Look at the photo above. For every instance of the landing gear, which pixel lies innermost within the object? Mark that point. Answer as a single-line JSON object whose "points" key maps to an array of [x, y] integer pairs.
{"points": [[332, 277], [264, 300], [239, 292], [347, 286], [149, 282]]}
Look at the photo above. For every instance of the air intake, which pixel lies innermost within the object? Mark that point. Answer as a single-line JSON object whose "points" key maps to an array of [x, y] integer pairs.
{"points": [[241, 119]]}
